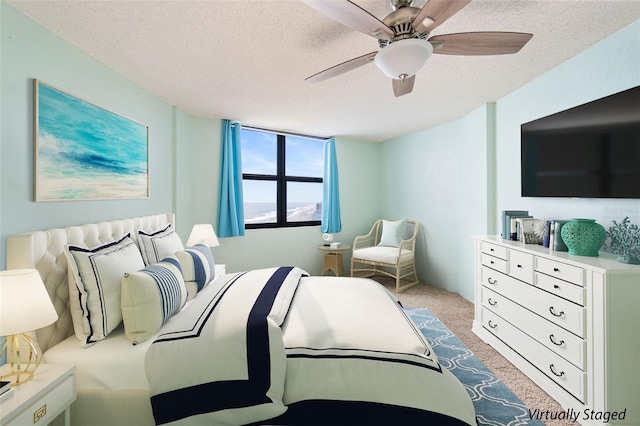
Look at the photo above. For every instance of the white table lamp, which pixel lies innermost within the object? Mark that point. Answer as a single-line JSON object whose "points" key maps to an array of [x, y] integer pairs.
{"points": [[203, 233], [25, 306]]}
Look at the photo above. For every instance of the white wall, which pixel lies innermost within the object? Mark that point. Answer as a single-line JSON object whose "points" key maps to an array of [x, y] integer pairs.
{"points": [[608, 67], [438, 177]]}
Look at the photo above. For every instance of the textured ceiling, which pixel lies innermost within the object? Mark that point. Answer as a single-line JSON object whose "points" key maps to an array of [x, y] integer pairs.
{"points": [[247, 60]]}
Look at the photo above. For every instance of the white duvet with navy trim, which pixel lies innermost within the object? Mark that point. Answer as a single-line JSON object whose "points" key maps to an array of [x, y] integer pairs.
{"points": [[277, 347]]}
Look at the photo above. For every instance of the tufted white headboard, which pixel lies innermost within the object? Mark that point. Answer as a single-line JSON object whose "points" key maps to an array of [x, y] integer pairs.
{"points": [[44, 251]]}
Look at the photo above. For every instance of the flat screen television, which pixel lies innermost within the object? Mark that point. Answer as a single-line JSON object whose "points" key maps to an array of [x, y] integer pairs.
{"points": [[590, 151]]}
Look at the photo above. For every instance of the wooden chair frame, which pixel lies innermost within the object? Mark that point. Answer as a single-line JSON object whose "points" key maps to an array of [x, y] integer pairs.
{"points": [[400, 271]]}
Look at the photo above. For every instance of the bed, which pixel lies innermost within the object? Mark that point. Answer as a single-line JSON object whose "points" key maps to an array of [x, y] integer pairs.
{"points": [[269, 346]]}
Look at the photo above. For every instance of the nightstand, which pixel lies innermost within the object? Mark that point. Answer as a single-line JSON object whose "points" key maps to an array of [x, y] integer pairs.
{"points": [[332, 259], [221, 269], [43, 398]]}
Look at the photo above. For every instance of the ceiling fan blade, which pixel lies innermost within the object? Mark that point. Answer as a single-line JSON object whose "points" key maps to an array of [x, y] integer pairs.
{"points": [[439, 11], [480, 43], [402, 87], [342, 68], [353, 16]]}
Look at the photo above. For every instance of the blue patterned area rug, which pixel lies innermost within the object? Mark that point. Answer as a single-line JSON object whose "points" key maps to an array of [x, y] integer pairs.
{"points": [[495, 404]]}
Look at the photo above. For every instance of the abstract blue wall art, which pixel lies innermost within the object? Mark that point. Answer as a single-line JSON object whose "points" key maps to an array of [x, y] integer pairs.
{"points": [[84, 152]]}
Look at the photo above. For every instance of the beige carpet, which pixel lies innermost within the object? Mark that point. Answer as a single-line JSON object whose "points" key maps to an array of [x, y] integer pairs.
{"points": [[457, 314]]}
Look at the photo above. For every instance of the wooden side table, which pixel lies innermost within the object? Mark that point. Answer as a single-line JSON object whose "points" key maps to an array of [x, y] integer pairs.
{"points": [[332, 260]]}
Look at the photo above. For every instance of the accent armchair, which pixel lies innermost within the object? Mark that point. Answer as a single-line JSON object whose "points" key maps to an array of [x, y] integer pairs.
{"points": [[388, 249]]}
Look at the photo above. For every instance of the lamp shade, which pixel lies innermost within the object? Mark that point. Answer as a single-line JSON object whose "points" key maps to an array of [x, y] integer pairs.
{"points": [[24, 302], [203, 233], [403, 58]]}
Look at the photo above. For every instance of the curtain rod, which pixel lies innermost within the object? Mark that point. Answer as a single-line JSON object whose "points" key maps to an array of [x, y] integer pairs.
{"points": [[300, 135]]}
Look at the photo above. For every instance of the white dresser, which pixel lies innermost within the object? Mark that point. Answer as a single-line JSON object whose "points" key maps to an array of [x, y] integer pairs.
{"points": [[570, 323]]}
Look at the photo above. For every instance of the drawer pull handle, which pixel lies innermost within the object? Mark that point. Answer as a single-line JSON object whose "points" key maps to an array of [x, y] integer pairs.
{"points": [[553, 370], [519, 266], [492, 325], [554, 341], [556, 286], [492, 302], [556, 270], [492, 282], [491, 249], [492, 262], [553, 312]]}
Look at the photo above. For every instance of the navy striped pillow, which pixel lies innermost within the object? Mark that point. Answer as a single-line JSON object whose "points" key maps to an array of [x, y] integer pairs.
{"points": [[150, 297]]}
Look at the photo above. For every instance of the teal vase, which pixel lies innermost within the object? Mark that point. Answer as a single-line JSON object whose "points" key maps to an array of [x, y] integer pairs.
{"points": [[583, 237]]}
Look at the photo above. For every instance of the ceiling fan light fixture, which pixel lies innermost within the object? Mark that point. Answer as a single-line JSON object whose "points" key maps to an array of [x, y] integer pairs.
{"points": [[403, 57]]}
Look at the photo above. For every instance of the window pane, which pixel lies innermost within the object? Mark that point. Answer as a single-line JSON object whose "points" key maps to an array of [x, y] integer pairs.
{"points": [[304, 157], [304, 201], [259, 201], [259, 152]]}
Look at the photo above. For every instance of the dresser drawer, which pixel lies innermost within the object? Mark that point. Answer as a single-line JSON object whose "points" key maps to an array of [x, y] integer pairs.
{"points": [[521, 265], [559, 311], [560, 288], [569, 377], [559, 340], [494, 250], [494, 262], [47, 408], [560, 270]]}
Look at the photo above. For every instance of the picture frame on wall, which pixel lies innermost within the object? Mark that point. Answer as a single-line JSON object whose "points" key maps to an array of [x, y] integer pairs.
{"points": [[86, 152]]}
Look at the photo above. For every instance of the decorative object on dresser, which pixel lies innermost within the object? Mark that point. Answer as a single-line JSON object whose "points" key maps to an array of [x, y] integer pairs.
{"points": [[506, 221], [557, 317], [25, 306], [530, 230], [624, 239], [555, 241], [583, 237]]}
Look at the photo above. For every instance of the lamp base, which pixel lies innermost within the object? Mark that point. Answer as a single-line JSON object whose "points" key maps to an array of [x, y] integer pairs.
{"points": [[21, 370]]}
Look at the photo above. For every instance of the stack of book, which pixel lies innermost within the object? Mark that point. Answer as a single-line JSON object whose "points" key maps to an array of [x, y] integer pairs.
{"points": [[6, 391], [509, 229]]}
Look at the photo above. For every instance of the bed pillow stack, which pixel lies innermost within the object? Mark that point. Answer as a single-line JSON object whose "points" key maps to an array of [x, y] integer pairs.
{"points": [[141, 284]]}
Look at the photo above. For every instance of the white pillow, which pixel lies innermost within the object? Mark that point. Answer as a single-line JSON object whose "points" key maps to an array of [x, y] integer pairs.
{"points": [[158, 245], [150, 297], [198, 267], [94, 286], [392, 232]]}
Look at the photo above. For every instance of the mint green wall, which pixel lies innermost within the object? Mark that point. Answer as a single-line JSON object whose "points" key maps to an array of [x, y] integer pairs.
{"points": [[184, 156], [30, 51], [608, 67], [455, 179], [197, 187], [438, 177]]}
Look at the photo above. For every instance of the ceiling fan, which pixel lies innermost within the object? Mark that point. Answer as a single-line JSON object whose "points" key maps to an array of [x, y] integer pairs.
{"points": [[403, 38]]}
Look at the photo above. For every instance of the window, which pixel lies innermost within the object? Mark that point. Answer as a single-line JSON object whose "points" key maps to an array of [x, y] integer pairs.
{"points": [[281, 179]]}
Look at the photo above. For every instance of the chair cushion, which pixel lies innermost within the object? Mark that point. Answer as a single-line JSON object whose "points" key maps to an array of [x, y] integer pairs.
{"points": [[392, 232], [382, 254]]}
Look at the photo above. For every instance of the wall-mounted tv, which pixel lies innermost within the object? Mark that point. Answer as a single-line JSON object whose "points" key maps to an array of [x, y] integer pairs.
{"points": [[590, 151]]}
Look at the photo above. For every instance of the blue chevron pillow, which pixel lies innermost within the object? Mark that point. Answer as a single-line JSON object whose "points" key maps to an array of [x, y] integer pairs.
{"points": [[198, 267], [150, 297]]}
